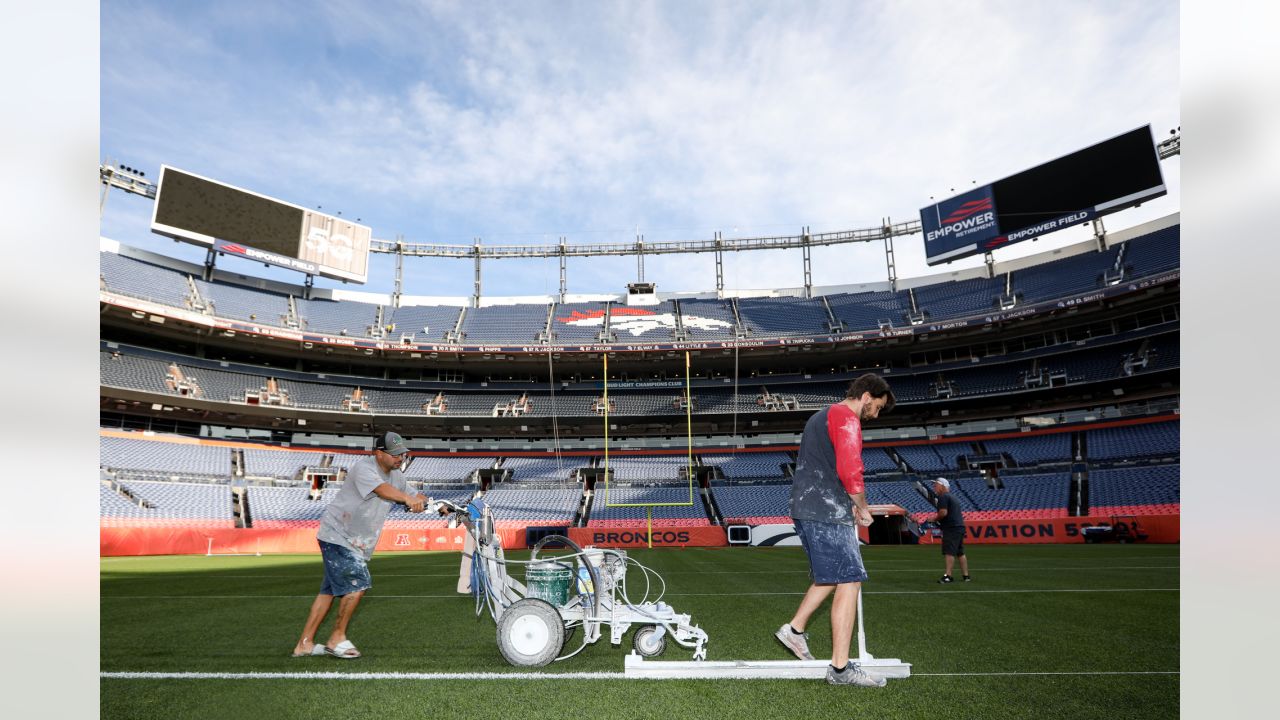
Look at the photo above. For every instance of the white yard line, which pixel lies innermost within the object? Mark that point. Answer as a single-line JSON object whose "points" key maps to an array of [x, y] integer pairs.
{"points": [[523, 676], [803, 571], [938, 592]]}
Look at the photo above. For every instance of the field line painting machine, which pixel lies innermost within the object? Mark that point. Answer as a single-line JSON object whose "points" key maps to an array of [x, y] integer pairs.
{"points": [[578, 591]]}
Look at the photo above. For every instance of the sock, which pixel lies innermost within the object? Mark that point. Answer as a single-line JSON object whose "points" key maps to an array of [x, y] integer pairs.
{"points": [[839, 670], [795, 631]]}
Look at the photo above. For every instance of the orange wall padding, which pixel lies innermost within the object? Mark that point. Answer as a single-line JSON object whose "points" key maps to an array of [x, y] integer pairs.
{"points": [[115, 541], [1158, 528]]}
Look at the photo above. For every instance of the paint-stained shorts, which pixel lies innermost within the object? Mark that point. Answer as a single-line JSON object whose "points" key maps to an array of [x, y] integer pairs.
{"points": [[345, 570], [834, 555], [953, 541]]}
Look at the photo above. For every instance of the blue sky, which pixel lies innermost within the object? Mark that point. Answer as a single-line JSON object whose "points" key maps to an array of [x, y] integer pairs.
{"points": [[522, 122]]}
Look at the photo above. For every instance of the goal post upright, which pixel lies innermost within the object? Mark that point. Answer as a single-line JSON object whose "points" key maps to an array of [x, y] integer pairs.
{"points": [[689, 475]]}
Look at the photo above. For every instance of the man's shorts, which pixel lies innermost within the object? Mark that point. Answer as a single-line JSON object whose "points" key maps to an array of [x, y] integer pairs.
{"points": [[953, 541], [345, 570], [834, 555]]}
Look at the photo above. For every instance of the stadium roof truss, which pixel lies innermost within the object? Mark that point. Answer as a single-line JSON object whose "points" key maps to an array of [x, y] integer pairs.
{"points": [[719, 245]]}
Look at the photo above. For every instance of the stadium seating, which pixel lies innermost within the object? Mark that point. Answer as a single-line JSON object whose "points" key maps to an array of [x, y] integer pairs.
{"points": [[1134, 442], [1144, 256], [315, 395], [135, 278], [578, 322], [653, 323], [602, 515], [240, 303], [645, 403], [397, 401], [453, 470], [959, 298], [920, 458], [708, 319], [428, 323], [877, 460], [115, 507], [1145, 490], [136, 369], [986, 379], [281, 507], [542, 470], [176, 504], [129, 371], [173, 458], [222, 385], [509, 324], [1034, 449], [656, 469], [748, 465], [278, 463], [533, 506], [754, 504], [1063, 278], [866, 311], [347, 317], [1023, 496], [347, 459], [898, 492], [781, 316], [1153, 253]]}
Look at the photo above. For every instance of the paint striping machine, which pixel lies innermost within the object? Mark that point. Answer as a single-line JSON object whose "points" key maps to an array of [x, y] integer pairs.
{"points": [[581, 590], [585, 589]]}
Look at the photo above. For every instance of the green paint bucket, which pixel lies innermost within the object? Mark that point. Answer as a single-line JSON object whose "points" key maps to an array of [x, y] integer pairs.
{"points": [[549, 581]]}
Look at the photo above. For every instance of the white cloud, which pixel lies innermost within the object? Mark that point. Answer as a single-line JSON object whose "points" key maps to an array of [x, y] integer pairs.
{"points": [[517, 124]]}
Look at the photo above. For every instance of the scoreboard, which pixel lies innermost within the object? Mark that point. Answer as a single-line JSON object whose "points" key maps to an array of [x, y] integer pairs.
{"points": [[243, 223], [1104, 178]]}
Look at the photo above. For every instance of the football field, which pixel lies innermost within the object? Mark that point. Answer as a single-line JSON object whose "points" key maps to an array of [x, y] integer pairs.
{"points": [[1044, 631]]}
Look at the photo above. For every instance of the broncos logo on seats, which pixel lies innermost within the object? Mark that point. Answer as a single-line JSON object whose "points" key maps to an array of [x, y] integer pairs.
{"points": [[639, 321]]}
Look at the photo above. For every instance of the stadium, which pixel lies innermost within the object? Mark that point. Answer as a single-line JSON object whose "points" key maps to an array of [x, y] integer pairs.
{"points": [[665, 425], [1045, 389]]}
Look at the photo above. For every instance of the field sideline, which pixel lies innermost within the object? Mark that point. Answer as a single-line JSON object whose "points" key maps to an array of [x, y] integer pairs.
{"points": [[1052, 631]]}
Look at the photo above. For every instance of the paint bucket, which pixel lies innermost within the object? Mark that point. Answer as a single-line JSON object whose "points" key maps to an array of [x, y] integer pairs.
{"points": [[550, 581]]}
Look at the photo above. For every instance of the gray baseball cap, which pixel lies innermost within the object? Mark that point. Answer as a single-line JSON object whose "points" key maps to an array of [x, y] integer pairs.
{"points": [[944, 483], [390, 443]]}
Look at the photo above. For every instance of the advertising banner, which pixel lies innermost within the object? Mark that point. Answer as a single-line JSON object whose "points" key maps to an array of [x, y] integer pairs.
{"points": [[960, 226], [114, 541], [639, 536], [1157, 528]]}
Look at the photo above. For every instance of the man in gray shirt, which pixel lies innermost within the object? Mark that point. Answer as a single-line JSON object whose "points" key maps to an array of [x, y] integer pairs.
{"points": [[349, 531], [950, 520]]}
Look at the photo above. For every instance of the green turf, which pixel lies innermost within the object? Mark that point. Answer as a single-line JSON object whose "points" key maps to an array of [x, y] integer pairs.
{"points": [[243, 614]]}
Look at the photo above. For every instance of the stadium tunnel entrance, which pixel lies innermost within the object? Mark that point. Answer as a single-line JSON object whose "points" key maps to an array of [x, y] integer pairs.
{"points": [[892, 526]]}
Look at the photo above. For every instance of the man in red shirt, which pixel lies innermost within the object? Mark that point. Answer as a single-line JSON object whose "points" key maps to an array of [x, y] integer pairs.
{"points": [[828, 502]]}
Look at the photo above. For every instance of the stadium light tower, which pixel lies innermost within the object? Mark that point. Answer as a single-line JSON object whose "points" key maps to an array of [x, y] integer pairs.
{"points": [[126, 178]]}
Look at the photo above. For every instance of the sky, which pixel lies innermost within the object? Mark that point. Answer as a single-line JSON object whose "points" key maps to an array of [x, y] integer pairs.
{"points": [[520, 123]]}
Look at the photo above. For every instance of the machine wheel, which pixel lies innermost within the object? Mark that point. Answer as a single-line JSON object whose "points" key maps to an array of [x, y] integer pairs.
{"points": [[569, 634], [647, 642], [530, 633]]}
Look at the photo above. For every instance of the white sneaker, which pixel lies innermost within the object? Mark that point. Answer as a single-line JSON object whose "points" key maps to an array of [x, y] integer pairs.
{"points": [[798, 644]]}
